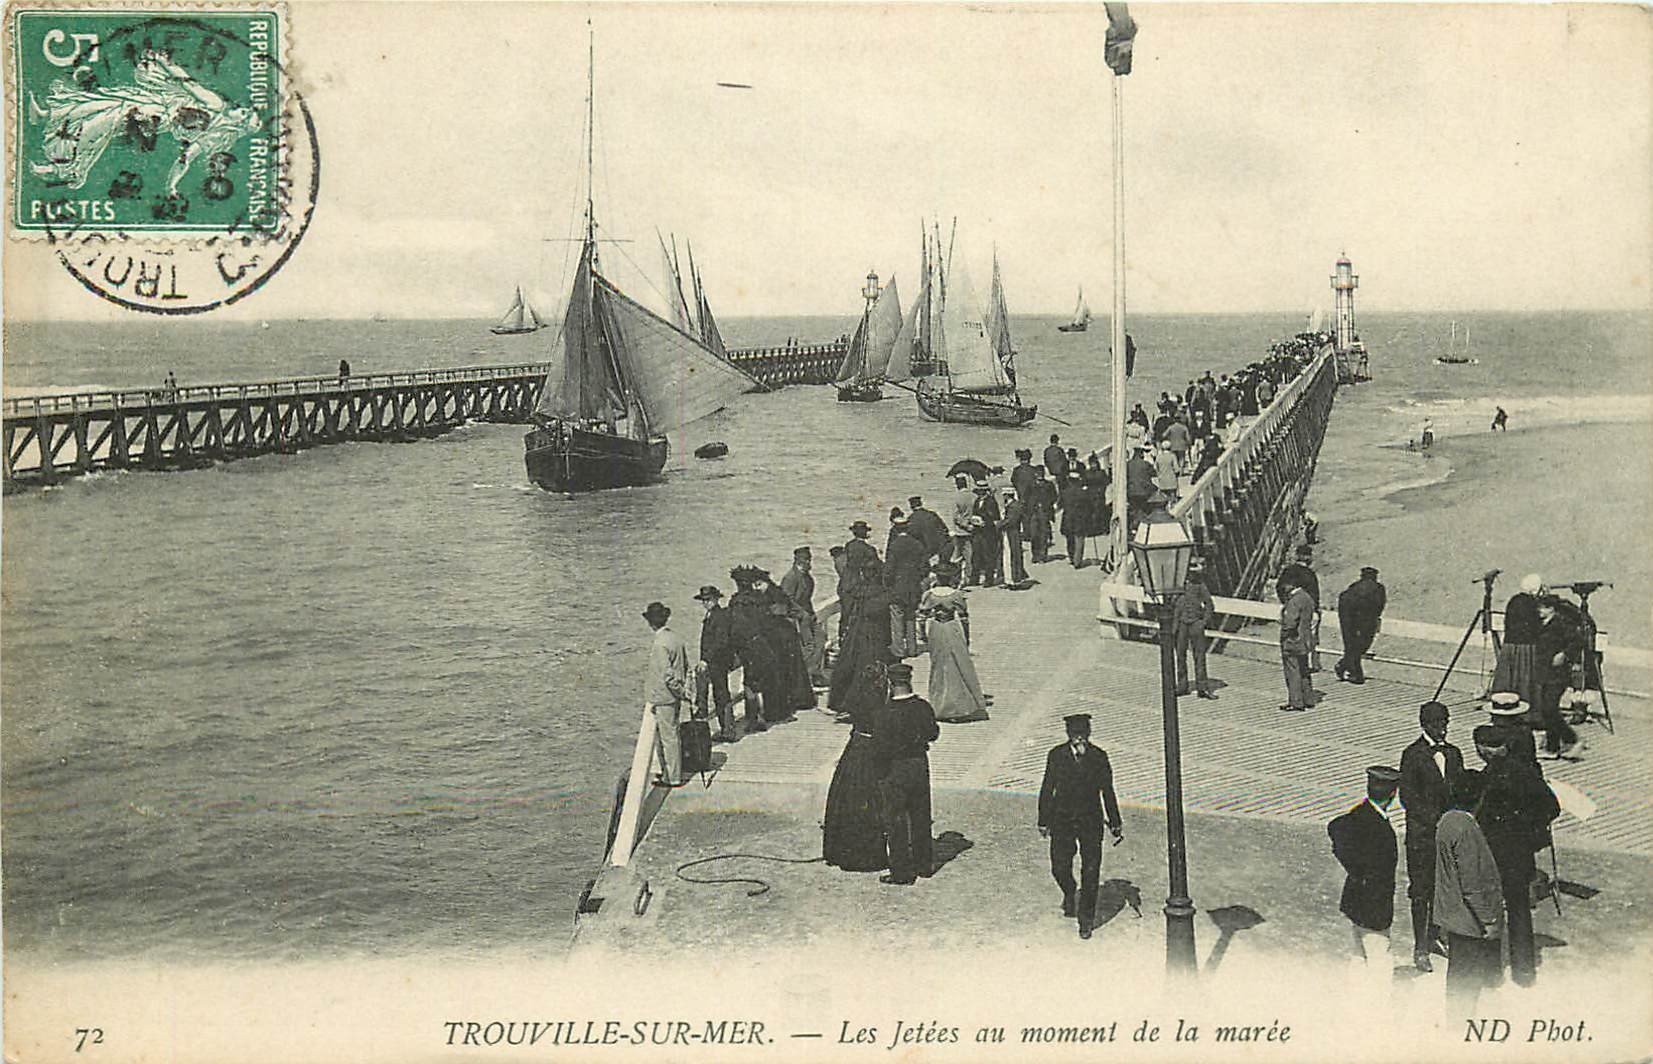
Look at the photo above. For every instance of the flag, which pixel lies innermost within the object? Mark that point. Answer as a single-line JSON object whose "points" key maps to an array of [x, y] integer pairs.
{"points": [[1130, 352], [1116, 50]]}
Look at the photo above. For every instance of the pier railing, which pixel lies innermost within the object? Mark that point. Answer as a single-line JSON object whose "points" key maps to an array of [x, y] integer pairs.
{"points": [[283, 387], [639, 781]]}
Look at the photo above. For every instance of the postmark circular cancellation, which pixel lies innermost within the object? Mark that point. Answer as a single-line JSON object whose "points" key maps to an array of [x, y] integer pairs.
{"points": [[165, 153]]}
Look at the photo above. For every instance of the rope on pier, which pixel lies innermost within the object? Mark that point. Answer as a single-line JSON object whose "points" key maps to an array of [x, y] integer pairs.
{"points": [[761, 886]]}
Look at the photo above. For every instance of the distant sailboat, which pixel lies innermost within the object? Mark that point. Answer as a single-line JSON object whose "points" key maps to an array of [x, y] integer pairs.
{"points": [[626, 377], [868, 357], [967, 353], [519, 319], [1453, 356], [1081, 316]]}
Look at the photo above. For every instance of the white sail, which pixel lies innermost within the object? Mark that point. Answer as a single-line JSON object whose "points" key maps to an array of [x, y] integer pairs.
{"points": [[972, 362], [883, 328], [854, 367], [900, 366], [1081, 309], [677, 310], [674, 378]]}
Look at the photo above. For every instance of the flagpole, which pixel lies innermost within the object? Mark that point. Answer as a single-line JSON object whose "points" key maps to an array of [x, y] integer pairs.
{"points": [[1118, 547]]}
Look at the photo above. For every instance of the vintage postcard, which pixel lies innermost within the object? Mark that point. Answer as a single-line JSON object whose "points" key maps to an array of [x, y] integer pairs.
{"points": [[826, 532]]}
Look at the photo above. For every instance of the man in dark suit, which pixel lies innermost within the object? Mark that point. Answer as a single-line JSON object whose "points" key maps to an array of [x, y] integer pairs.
{"points": [[1428, 766], [986, 538], [1515, 812], [1364, 844], [905, 564], [1075, 800], [1359, 611], [717, 658], [902, 733], [930, 529], [1056, 459]]}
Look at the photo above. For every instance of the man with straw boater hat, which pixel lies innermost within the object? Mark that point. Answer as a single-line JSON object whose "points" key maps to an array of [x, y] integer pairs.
{"points": [[1509, 713]]}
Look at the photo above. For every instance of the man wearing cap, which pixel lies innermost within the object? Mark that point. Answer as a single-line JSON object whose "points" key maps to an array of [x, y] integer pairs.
{"points": [[799, 587], [1013, 523], [903, 730], [1296, 619], [1021, 477], [964, 504], [1192, 612], [1469, 900], [986, 540], [1428, 766], [904, 570], [1076, 799], [1041, 513], [664, 689], [717, 658], [1509, 714], [1515, 812], [1359, 613], [1364, 844], [1299, 573], [930, 529], [1056, 459]]}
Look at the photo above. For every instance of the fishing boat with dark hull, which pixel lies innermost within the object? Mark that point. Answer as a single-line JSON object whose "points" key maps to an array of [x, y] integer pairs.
{"points": [[963, 409], [867, 360], [966, 345], [563, 457], [627, 376]]}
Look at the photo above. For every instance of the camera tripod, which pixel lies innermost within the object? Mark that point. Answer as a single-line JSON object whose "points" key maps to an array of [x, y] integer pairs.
{"points": [[1592, 664], [1483, 621]]}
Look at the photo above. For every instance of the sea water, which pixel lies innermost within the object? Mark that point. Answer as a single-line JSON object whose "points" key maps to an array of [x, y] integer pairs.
{"points": [[373, 698]]}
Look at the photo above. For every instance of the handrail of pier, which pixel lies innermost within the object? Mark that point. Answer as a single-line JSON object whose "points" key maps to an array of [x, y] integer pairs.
{"points": [[1394, 627], [630, 820], [35, 406]]}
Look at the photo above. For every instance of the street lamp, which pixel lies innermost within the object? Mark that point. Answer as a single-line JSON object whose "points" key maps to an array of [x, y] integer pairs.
{"points": [[1162, 551]]}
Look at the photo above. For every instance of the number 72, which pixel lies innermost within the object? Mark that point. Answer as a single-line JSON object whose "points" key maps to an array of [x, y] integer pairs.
{"points": [[96, 1034]]}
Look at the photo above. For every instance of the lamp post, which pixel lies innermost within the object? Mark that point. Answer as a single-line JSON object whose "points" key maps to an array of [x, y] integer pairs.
{"points": [[1162, 551]]}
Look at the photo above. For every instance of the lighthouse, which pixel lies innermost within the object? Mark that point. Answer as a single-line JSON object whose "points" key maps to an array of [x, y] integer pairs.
{"points": [[1344, 283]]}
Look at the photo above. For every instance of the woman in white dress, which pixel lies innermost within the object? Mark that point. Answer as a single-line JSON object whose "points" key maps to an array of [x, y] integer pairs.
{"points": [[955, 690]]}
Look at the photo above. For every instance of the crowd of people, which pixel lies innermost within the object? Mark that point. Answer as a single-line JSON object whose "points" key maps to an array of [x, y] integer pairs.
{"points": [[1471, 840]]}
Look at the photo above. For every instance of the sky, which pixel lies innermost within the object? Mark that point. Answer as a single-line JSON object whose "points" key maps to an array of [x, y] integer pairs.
{"points": [[1464, 157]]}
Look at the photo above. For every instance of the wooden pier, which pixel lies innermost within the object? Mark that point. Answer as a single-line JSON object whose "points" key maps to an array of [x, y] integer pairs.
{"points": [[48, 438], [51, 437]]}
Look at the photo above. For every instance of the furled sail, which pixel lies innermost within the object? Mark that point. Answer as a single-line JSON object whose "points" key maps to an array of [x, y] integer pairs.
{"points": [[674, 378], [585, 383], [972, 362], [883, 328]]}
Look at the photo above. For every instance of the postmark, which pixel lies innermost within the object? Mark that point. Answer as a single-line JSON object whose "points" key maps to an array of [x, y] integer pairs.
{"points": [[165, 154]]}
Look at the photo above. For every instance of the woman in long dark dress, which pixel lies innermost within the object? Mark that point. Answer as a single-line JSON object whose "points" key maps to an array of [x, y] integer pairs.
{"points": [[852, 831], [863, 646], [791, 687]]}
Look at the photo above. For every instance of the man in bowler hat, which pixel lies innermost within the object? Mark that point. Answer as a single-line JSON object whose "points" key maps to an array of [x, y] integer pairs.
{"points": [[1075, 800], [717, 658], [1364, 844], [902, 733], [1428, 766]]}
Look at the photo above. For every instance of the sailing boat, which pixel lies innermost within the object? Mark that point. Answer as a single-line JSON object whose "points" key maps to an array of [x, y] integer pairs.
{"points": [[1081, 316], [868, 357], [971, 364], [626, 377], [1453, 357], [519, 319]]}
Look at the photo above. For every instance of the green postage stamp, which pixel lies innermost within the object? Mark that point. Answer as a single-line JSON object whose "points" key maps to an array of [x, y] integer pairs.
{"points": [[160, 121]]}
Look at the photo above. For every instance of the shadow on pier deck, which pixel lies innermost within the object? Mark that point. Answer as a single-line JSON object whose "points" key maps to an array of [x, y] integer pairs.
{"points": [[1259, 786]]}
